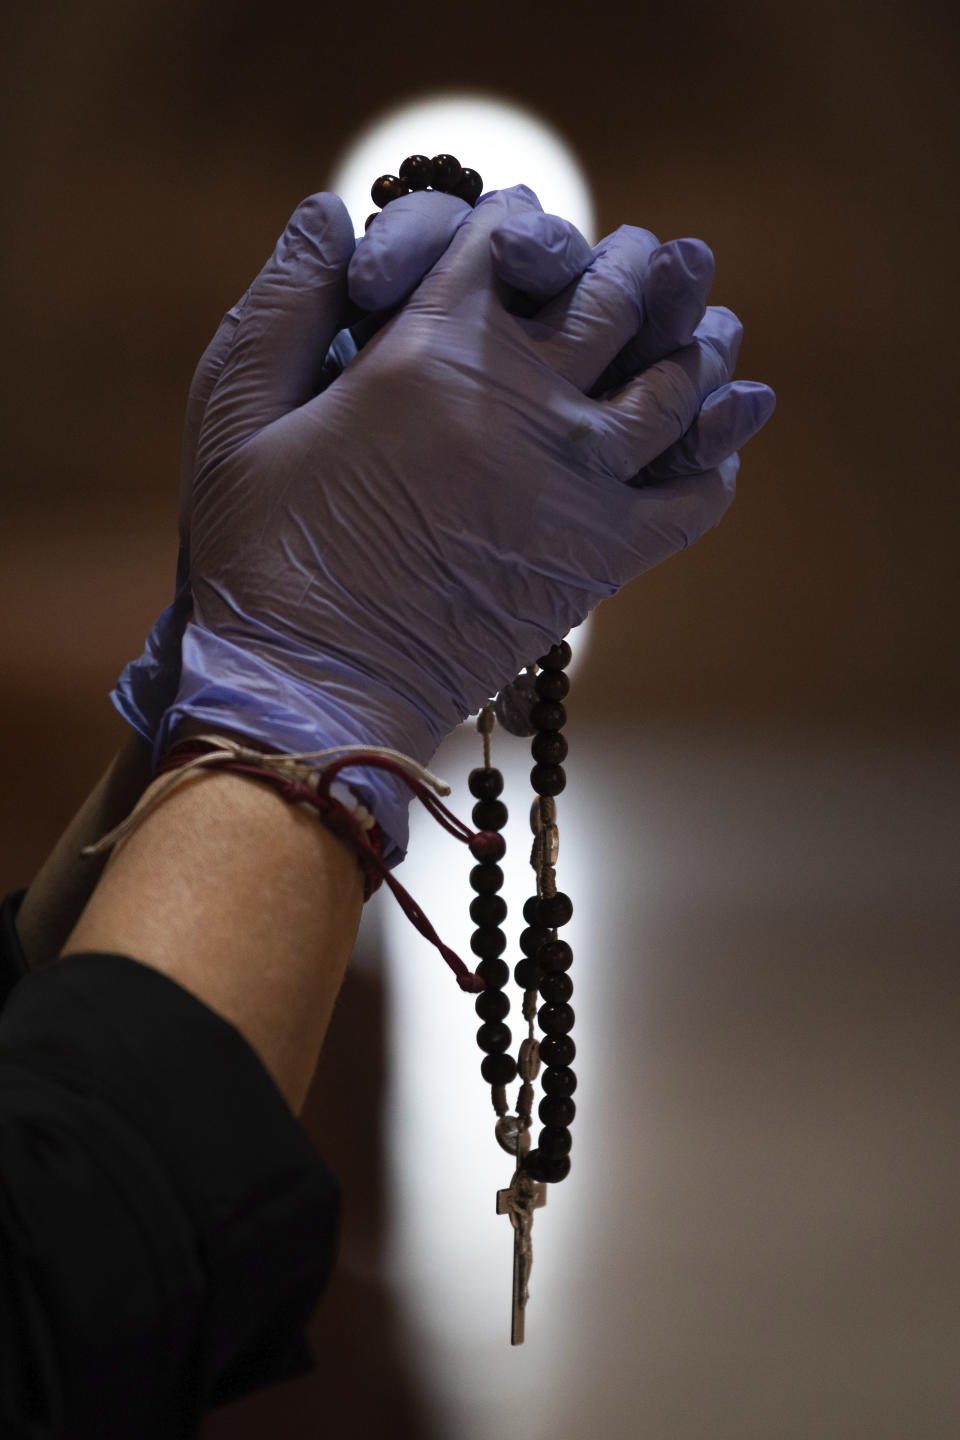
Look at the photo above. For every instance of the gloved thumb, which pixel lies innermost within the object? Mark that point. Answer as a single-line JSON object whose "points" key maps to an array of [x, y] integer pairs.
{"points": [[286, 323]]}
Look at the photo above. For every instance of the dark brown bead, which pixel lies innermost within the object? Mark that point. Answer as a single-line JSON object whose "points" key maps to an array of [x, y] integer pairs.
{"points": [[487, 845], [549, 748], [533, 1165], [552, 685], [386, 188], [490, 814], [494, 1036], [488, 943], [556, 1109], [547, 779], [447, 172], [488, 911], [493, 972], [417, 171], [498, 1069], [370, 218], [486, 878], [556, 658], [492, 1005], [530, 909], [485, 784], [532, 938], [555, 910], [554, 1141], [527, 974], [557, 1050], [556, 1019], [555, 956], [548, 715], [470, 187], [559, 1080], [554, 1171], [556, 989]]}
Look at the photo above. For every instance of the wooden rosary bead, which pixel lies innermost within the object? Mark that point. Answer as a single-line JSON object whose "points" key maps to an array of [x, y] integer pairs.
{"points": [[548, 779], [557, 1050], [553, 1171], [532, 938], [470, 186], [386, 188], [530, 909], [487, 845], [492, 1005], [493, 1036], [555, 1019], [527, 974], [490, 815], [555, 956], [498, 1069], [554, 1141], [554, 910], [558, 657], [557, 1110], [493, 972], [486, 878], [556, 989], [488, 911], [447, 172], [417, 171], [552, 685], [549, 748], [370, 218], [548, 715], [485, 785], [488, 943], [559, 1080]]}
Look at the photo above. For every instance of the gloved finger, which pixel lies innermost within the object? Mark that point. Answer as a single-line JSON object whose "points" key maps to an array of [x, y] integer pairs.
{"points": [[534, 253], [287, 320], [580, 331], [728, 418], [656, 409], [405, 240], [678, 281], [539, 254], [677, 514], [464, 276]]}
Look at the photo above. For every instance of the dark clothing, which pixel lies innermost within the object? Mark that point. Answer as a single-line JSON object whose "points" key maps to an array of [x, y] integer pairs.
{"points": [[166, 1227]]}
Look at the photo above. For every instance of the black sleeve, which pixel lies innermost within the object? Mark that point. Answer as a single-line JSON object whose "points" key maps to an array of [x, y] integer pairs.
{"points": [[166, 1227]]}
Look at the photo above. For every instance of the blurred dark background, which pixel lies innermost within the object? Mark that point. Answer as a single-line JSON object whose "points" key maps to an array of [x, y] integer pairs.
{"points": [[152, 154]]}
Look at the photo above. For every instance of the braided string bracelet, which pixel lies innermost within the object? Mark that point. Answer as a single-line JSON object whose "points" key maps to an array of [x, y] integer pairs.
{"points": [[300, 782]]}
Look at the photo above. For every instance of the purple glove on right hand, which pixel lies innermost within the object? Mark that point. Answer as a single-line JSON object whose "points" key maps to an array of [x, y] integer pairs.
{"points": [[369, 566]]}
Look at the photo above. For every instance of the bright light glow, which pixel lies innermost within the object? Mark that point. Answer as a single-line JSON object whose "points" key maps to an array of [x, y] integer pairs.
{"points": [[506, 144]]}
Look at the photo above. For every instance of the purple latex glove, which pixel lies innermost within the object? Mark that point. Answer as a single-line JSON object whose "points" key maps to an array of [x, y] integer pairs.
{"points": [[299, 297], [369, 565]]}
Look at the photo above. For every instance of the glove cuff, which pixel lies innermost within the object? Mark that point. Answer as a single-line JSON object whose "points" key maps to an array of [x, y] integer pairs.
{"points": [[244, 693]]}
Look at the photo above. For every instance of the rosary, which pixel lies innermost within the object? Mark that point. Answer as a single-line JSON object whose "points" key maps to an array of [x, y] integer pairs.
{"points": [[532, 705]]}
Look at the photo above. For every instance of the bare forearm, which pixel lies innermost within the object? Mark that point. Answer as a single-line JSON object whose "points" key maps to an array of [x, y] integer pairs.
{"points": [[244, 900], [66, 880]]}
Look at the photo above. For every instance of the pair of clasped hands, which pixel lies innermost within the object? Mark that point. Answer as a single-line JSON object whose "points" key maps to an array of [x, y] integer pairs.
{"points": [[414, 461]]}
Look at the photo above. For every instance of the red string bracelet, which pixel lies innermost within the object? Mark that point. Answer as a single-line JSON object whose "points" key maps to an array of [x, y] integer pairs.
{"points": [[483, 844]]}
